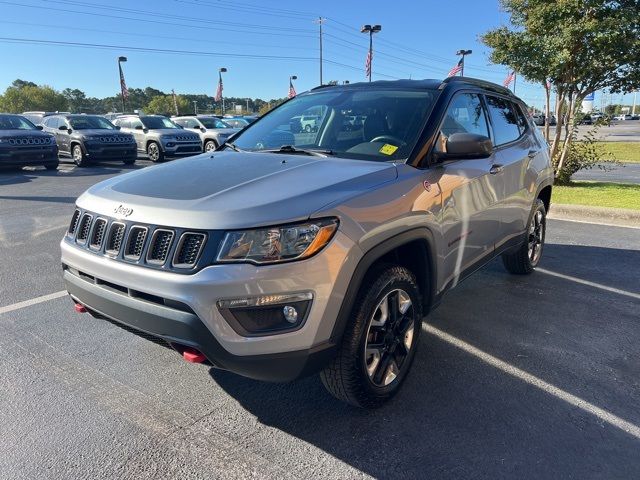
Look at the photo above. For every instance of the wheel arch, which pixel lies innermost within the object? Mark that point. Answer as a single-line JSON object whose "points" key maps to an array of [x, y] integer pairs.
{"points": [[544, 194], [414, 250]]}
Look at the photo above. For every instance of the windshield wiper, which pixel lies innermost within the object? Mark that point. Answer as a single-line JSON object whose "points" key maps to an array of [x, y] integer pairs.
{"points": [[302, 151], [231, 146]]}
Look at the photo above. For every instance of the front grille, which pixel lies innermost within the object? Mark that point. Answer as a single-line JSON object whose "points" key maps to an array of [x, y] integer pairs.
{"points": [[99, 227], [160, 246], [74, 222], [114, 240], [83, 228], [30, 141], [188, 250], [135, 242], [177, 249]]}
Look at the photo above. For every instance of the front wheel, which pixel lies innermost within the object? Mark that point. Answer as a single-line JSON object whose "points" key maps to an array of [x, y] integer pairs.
{"points": [[524, 260], [210, 145], [79, 158], [380, 343], [154, 152]]}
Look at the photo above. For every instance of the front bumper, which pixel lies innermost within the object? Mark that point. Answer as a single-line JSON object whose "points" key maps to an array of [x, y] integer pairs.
{"points": [[120, 152], [182, 309], [28, 156], [177, 149]]}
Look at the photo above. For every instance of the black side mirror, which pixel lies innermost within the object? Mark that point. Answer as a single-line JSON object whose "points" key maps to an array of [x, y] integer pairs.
{"points": [[39, 127], [202, 129], [117, 127], [138, 127], [461, 146]]}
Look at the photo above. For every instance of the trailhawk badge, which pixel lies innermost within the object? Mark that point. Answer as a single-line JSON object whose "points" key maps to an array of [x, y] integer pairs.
{"points": [[123, 211]]}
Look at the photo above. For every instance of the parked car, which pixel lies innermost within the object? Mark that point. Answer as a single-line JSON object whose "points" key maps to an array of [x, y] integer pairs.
{"points": [[38, 117], [623, 117], [88, 138], [538, 119], [23, 144], [585, 120], [288, 255], [213, 132], [159, 137]]}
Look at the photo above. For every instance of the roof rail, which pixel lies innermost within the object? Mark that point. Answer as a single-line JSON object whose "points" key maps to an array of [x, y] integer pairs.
{"points": [[479, 83]]}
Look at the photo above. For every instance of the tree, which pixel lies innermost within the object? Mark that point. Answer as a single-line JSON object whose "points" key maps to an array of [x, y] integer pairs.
{"points": [[17, 99], [573, 46], [164, 105]]}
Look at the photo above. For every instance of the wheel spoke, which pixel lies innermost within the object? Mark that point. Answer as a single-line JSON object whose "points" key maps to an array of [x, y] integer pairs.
{"points": [[381, 315], [373, 354], [391, 372], [381, 369], [394, 308]]}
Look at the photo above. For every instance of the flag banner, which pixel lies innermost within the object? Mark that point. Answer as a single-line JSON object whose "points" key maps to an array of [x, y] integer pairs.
{"points": [[367, 64], [457, 69], [510, 78], [292, 91], [219, 91], [123, 86]]}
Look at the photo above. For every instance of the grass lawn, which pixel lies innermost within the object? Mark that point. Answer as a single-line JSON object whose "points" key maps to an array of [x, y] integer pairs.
{"points": [[623, 151], [598, 194]]}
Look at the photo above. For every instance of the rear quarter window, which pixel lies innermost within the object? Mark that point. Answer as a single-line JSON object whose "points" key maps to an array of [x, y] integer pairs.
{"points": [[504, 119]]}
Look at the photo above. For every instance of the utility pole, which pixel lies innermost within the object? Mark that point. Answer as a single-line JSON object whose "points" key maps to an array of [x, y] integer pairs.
{"points": [[247, 105], [320, 21]]}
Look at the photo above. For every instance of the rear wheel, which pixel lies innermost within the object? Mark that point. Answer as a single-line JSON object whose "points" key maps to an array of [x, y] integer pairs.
{"points": [[379, 345], [524, 260], [78, 156], [154, 152]]}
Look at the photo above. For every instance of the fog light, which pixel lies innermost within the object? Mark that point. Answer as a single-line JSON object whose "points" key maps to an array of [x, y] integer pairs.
{"points": [[266, 314], [290, 314]]}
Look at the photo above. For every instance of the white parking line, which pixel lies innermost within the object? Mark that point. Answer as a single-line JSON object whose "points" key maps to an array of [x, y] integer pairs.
{"points": [[532, 380], [33, 301], [590, 284]]}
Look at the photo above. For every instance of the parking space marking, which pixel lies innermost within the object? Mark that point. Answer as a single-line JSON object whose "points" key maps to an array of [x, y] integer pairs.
{"points": [[590, 284], [33, 301], [534, 381], [553, 217]]}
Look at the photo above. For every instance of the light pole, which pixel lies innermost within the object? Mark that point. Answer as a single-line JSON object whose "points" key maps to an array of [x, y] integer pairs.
{"points": [[463, 53], [370, 29], [122, 84], [221, 71], [195, 107]]}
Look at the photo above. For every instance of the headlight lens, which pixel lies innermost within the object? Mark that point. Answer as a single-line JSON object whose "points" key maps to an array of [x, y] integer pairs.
{"points": [[168, 138], [277, 244]]}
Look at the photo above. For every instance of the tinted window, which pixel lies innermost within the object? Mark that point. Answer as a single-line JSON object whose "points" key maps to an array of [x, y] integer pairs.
{"points": [[86, 122], [158, 122], [465, 115], [15, 122], [522, 118], [51, 122], [504, 119]]}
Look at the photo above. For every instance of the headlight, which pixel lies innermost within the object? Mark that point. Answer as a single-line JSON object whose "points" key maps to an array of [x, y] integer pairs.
{"points": [[168, 138], [277, 244]]}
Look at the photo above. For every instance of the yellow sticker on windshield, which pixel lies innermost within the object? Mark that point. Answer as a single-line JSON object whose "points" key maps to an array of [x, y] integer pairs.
{"points": [[388, 149]]}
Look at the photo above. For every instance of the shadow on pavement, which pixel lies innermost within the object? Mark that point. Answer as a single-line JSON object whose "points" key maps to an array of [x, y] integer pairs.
{"points": [[458, 417]]}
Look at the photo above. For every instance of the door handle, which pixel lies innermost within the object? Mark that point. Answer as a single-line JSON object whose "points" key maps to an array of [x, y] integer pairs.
{"points": [[496, 168], [532, 153]]}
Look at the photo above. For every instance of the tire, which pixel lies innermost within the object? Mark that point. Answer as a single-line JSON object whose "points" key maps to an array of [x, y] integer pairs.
{"points": [[360, 374], [210, 145], [129, 161], [78, 156], [524, 260], [154, 152], [51, 166]]}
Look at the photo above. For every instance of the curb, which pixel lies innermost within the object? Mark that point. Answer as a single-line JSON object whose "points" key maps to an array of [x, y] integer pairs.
{"points": [[608, 216]]}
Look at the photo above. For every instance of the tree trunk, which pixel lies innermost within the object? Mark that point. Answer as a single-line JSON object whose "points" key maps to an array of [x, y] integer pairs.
{"points": [[560, 95], [574, 102], [547, 109]]}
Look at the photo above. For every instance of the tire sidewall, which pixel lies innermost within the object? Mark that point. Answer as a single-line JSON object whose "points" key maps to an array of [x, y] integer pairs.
{"points": [[537, 207], [79, 162], [157, 147]]}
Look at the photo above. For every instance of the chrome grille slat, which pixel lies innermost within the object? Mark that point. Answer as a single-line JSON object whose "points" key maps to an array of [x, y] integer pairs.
{"points": [[189, 249], [84, 228], [115, 238], [74, 223], [97, 237], [135, 242], [159, 246]]}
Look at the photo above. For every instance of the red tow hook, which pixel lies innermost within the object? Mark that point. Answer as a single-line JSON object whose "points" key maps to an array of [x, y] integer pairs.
{"points": [[80, 308], [193, 356]]}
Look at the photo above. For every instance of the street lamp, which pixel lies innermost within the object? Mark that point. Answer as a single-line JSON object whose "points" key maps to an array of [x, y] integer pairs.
{"points": [[463, 53], [370, 29], [221, 71], [122, 84], [195, 107]]}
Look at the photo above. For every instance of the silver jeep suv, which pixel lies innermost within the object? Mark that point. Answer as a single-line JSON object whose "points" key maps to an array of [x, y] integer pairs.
{"points": [[213, 131], [159, 137], [285, 254]]}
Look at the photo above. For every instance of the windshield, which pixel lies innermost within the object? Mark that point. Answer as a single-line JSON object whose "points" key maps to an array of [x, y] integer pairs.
{"points": [[368, 124], [158, 122], [213, 123], [90, 122], [15, 122]]}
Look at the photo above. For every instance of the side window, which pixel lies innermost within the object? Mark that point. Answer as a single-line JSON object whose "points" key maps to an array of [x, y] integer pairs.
{"points": [[465, 114], [180, 121], [504, 119], [135, 122], [191, 123], [522, 118], [49, 122]]}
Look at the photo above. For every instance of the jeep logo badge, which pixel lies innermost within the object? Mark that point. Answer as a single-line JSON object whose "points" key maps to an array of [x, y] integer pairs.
{"points": [[123, 211]]}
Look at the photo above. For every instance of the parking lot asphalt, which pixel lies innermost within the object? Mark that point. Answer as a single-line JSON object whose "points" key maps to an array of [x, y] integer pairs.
{"points": [[515, 377], [623, 173]]}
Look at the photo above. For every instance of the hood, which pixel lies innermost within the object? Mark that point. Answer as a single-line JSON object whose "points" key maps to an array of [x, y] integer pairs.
{"points": [[99, 132], [23, 133], [224, 131], [172, 131], [235, 189]]}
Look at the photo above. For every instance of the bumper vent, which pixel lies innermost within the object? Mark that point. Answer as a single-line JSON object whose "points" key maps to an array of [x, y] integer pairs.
{"points": [[135, 242], [160, 246], [189, 249], [84, 227], [97, 237], [151, 246]]}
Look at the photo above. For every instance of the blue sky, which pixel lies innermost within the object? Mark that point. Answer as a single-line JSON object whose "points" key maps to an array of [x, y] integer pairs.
{"points": [[418, 40]]}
